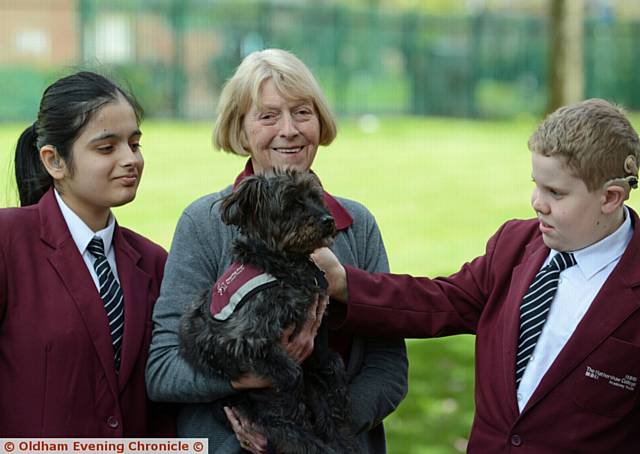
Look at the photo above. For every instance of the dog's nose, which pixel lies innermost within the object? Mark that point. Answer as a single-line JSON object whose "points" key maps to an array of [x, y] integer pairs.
{"points": [[327, 222]]}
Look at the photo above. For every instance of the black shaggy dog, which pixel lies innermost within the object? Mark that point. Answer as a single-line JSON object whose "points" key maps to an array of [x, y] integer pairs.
{"points": [[236, 327]]}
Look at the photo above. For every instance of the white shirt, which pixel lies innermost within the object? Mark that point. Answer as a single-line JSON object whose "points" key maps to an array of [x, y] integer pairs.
{"points": [[577, 288], [82, 235]]}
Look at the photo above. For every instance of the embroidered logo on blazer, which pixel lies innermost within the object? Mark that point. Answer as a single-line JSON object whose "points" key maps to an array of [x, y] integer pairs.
{"points": [[628, 382]]}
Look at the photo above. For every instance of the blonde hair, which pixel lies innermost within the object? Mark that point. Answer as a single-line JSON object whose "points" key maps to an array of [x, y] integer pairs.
{"points": [[292, 80], [595, 138]]}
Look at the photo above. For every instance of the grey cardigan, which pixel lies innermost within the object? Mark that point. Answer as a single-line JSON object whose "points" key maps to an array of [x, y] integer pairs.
{"points": [[377, 368]]}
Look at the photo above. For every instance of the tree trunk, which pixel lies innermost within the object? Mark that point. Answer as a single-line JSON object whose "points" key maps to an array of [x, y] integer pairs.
{"points": [[566, 56]]}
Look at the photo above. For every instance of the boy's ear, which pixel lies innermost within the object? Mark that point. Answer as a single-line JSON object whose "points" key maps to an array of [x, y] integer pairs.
{"points": [[53, 163], [613, 198]]}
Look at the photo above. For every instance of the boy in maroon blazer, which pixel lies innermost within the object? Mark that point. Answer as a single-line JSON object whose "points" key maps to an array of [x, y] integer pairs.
{"points": [[554, 301]]}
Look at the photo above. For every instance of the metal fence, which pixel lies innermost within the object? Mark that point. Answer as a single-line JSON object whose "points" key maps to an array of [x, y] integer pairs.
{"points": [[176, 54]]}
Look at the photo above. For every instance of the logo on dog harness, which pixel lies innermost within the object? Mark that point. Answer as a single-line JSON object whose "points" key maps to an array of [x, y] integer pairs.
{"points": [[238, 283]]}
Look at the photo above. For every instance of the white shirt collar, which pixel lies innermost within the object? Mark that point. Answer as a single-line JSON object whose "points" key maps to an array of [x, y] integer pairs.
{"points": [[80, 232], [594, 258]]}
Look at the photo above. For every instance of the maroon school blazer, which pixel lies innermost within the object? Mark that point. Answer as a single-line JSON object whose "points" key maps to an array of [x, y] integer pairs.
{"points": [[57, 376], [588, 401]]}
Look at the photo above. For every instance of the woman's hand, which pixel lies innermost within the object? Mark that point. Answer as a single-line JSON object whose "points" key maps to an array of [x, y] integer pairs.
{"points": [[248, 434], [333, 271], [250, 381], [300, 346]]}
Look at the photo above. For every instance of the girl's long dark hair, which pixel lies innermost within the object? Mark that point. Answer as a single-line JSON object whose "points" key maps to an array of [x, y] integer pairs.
{"points": [[66, 107]]}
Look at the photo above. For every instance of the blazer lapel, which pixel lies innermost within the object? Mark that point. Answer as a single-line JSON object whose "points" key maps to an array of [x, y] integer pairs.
{"points": [[72, 271], [135, 285], [522, 276], [613, 304]]}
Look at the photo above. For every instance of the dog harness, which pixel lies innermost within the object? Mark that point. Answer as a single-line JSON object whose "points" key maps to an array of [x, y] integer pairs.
{"points": [[241, 281]]}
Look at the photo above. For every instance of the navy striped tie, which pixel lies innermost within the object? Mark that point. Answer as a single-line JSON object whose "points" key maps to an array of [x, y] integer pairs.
{"points": [[535, 307], [111, 295]]}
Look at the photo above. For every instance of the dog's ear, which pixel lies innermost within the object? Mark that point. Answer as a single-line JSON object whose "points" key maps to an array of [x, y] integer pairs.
{"points": [[315, 181], [241, 207], [229, 212]]}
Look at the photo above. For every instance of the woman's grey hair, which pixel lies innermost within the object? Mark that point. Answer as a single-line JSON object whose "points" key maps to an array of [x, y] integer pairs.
{"points": [[292, 80]]}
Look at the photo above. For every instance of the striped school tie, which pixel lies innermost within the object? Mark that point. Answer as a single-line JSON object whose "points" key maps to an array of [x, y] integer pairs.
{"points": [[111, 295], [535, 307]]}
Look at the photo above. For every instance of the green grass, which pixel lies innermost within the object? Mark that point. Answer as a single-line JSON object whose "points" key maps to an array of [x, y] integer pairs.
{"points": [[438, 188]]}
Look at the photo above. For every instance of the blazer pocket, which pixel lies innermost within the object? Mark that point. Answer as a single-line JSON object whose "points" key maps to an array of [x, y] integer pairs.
{"points": [[606, 382]]}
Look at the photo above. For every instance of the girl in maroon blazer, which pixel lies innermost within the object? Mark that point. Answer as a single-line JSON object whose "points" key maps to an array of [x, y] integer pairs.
{"points": [[76, 289]]}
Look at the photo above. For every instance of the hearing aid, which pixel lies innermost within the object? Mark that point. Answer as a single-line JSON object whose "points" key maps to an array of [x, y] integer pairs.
{"points": [[630, 181]]}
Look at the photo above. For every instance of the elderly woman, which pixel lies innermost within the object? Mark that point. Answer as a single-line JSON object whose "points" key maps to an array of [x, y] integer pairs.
{"points": [[273, 111]]}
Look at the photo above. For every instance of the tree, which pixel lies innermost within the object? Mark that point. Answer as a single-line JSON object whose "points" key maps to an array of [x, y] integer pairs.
{"points": [[566, 56]]}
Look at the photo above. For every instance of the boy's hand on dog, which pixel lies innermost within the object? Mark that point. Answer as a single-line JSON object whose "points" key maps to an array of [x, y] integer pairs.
{"points": [[333, 271], [249, 436], [300, 346]]}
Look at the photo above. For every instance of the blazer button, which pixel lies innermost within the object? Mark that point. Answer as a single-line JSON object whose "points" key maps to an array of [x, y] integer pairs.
{"points": [[516, 440], [112, 422]]}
